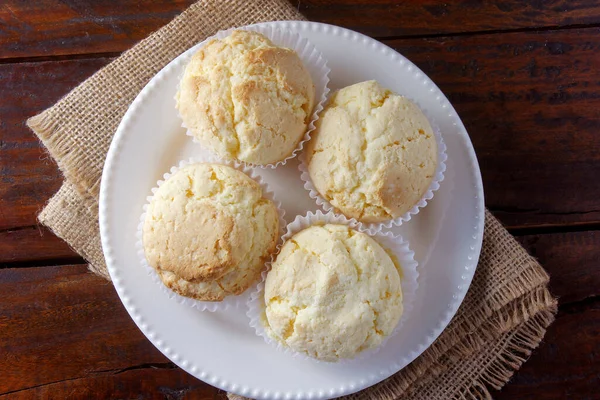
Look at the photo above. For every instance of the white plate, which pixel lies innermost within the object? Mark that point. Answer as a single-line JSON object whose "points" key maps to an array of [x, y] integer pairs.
{"points": [[221, 348]]}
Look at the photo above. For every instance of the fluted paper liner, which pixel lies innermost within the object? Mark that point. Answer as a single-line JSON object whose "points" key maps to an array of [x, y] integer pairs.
{"points": [[229, 301], [392, 243]]}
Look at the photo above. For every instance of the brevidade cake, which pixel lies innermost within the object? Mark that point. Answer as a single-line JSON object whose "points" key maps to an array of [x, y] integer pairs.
{"points": [[247, 99], [332, 293], [373, 154], [208, 231]]}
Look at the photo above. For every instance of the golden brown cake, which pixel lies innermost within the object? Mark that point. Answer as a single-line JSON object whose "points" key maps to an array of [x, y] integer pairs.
{"points": [[208, 231], [246, 98]]}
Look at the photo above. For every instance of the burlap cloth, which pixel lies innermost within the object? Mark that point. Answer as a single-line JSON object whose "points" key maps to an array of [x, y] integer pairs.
{"points": [[502, 319]]}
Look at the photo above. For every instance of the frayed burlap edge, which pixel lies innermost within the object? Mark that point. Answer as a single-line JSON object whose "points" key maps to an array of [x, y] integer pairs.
{"points": [[65, 214], [466, 369]]}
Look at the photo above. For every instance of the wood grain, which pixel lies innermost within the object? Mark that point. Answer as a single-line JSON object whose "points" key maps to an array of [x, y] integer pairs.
{"points": [[567, 363], [28, 177], [146, 383], [530, 102], [58, 28], [572, 260], [382, 18], [64, 323], [33, 244]]}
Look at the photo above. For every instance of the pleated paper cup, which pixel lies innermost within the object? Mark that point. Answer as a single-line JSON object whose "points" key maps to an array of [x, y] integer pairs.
{"points": [[312, 59], [394, 244], [434, 185], [229, 301]]}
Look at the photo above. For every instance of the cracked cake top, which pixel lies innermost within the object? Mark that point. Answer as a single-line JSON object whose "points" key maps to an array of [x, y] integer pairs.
{"points": [[332, 293], [373, 153], [208, 231], [246, 98]]}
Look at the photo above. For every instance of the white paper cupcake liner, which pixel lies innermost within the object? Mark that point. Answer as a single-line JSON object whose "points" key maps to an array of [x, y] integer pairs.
{"points": [[313, 60], [393, 243], [438, 177], [229, 301]]}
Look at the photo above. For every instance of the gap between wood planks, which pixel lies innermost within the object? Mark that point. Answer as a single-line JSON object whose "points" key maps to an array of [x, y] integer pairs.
{"points": [[578, 306], [549, 229], [489, 32], [49, 262], [166, 365], [80, 56], [59, 57]]}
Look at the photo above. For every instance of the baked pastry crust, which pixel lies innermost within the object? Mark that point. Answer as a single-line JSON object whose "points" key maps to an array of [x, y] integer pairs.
{"points": [[246, 99], [373, 154], [332, 293], [208, 231]]}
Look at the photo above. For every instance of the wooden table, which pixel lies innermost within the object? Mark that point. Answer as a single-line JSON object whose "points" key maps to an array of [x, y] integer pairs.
{"points": [[523, 75]]}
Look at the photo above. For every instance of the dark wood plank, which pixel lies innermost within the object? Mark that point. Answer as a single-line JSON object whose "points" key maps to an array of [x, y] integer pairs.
{"points": [[572, 260], [566, 365], [58, 27], [383, 18], [53, 27], [530, 102], [28, 177], [142, 384], [33, 244], [61, 323]]}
